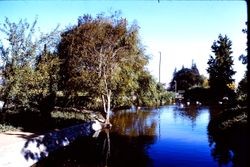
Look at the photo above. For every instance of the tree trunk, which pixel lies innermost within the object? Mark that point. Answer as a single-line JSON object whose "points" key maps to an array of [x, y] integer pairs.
{"points": [[107, 150], [107, 107], [107, 122]]}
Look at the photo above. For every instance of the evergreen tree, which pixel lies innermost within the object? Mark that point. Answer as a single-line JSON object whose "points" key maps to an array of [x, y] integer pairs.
{"points": [[220, 68]]}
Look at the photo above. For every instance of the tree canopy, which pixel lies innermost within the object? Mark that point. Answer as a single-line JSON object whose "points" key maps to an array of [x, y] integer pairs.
{"points": [[221, 68], [243, 57], [242, 86], [101, 58], [22, 77], [186, 78]]}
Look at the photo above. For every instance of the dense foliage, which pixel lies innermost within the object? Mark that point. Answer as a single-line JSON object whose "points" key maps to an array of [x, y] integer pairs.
{"points": [[221, 69], [186, 78], [242, 87], [244, 57], [242, 91], [101, 62], [22, 76], [98, 63], [102, 58]]}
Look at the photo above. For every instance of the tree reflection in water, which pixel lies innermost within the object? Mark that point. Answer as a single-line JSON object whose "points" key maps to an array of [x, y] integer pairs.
{"points": [[134, 123], [124, 145], [132, 141], [191, 112], [132, 134], [228, 146]]}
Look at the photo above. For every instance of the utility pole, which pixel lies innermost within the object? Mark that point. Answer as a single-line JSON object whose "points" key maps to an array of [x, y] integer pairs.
{"points": [[160, 68], [175, 86], [159, 114]]}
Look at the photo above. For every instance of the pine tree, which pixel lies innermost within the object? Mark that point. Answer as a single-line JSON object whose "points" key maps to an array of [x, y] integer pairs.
{"points": [[220, 68]]}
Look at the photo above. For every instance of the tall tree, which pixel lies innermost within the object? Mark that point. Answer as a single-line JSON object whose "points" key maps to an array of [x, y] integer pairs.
{"points": [[19, 49], [44, 83], [94, 55], [221, 68]]}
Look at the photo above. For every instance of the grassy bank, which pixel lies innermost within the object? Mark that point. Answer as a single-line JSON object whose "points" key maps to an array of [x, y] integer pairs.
{"points": [[230, 118], [35, 122]]}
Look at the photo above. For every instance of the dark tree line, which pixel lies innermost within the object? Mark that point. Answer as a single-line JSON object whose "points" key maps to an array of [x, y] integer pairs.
{"points": [[186, 78]]}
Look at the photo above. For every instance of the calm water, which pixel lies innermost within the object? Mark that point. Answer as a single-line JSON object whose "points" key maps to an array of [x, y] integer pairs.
{"points": [[168, 136]]}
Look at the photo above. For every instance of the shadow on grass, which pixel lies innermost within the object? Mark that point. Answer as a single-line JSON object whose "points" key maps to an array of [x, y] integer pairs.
{"points": [[34, 122]]}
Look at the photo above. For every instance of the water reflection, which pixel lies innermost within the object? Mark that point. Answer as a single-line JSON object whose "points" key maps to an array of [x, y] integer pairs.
{"points": [[106, 147], [133, 132], [228, 147], [127, 142], [124, 145], [191, 112], [135, 123], [168, 136]]}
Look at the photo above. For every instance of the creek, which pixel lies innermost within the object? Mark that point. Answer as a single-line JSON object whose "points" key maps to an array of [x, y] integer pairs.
{"points": [[166, 136]]}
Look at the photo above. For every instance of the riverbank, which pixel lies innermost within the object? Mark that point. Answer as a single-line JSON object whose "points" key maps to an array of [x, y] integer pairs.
{"points": [[23, 149], [35, 122], [27, 137], [11, 143], [230, 118], [147, 137], [228, 137]]}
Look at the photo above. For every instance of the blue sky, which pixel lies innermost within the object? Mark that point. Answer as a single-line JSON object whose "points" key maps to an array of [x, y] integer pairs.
{"points": [[181, 30]]}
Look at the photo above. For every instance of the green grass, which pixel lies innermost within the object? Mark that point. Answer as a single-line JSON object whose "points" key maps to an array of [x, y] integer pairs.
{"points": [[70, 115], [5, 127]]}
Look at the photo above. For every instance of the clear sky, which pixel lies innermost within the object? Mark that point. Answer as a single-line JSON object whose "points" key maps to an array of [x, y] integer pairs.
{"points": [[181, 30]]}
